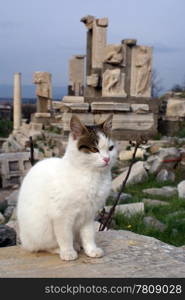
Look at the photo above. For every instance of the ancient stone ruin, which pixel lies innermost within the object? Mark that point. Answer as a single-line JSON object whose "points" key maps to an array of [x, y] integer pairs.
{"points": [[109, 78], [117, 80]]}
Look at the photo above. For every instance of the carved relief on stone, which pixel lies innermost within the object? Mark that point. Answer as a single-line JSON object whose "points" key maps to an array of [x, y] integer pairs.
{"points": [[141, 68], [113, 83], [115, 54], [43, 84]]}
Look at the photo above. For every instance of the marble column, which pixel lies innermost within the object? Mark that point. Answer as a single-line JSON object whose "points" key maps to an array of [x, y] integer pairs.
{"points": [[17, 101]]}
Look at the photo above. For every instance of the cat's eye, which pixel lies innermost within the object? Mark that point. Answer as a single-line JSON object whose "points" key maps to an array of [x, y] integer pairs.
{"points": [[94, 149], [111, 148]]}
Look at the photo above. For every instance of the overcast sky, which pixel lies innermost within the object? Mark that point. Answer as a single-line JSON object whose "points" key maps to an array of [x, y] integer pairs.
{"points": [[41, 35]]}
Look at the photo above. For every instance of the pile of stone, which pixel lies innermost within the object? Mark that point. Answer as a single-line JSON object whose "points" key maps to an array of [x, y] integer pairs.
{"points": [[8, 225], [158, 161]]}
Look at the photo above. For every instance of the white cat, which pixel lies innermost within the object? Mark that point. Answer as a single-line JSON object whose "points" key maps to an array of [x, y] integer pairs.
{"points": [[59, 197]]}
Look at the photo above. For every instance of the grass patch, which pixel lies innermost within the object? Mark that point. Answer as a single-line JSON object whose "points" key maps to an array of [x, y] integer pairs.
{"points": [[174, 232]]}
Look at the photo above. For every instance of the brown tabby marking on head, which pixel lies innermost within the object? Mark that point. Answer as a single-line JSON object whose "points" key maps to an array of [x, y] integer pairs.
{"points": [[89, 141], [87, 135]]}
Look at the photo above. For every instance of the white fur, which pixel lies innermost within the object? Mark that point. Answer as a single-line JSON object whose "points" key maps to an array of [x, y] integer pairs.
{"points": [[59, 198]]}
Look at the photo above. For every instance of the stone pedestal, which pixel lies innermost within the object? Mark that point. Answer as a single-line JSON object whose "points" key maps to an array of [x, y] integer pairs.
{"points": [[17, 101]]}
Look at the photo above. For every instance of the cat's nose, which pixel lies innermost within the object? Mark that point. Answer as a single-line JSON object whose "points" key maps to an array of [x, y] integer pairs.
{"points": [[106, 159]]}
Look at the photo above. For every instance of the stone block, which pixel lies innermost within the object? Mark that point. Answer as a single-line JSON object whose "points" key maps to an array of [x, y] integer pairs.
{"points": [[141, 70], [103, 22], [109, 107], [137, 174], [181, 189], [127, 255], [42, 115], [99, 40], [113, 84], [140, 108], [166, 191], [77, 107], [128, 154], [128, 209], [72, 99], [132, 121], [175, 108]]}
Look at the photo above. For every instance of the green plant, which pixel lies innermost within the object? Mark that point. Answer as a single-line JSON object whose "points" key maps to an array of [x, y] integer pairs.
{"points": [[6, 127]]}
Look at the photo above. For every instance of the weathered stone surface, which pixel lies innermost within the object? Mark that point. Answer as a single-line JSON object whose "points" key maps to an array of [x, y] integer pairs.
{"points": [[167, 158], [126, 255], [43, 82], [140, 108], [2, 218], [12, 198], [133, 121], [175, 108], [77, 107], [154, 149], [153, 222], [7, 236], [114, 54], [109, 106], [42, 115], [123, 197], [99, 40], [181, 189], [141, 67], [73, 99], [137, 174], [130, 42], [13, 167], [76, 74], [113, 84], [92, 80], [153, 202], [165, 175], [166, 191], [128, 209], [8, 212], [17, 101], [128, 154]]}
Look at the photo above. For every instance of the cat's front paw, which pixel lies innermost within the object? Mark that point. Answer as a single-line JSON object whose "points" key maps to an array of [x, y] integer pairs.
{"points": [[68, 254], [94, 252]]}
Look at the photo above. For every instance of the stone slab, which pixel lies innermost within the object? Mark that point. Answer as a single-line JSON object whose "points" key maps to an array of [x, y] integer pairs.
{"points": [[109, 106], [140, 108], [73, 99], [77, 107], [128, 209], [126, 255]]}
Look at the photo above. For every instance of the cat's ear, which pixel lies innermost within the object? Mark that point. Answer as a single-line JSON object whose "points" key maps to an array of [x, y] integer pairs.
{"points": [[107, 124], [77, 128]]}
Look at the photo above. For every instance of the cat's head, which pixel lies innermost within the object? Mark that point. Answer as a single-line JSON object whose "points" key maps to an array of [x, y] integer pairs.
{"points": [[94, 145]]}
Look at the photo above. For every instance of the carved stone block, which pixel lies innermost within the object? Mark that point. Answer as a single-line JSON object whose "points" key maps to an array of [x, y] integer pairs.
{"points": [[113, 83], [115, 54], [43, 84], [141, 68]]}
